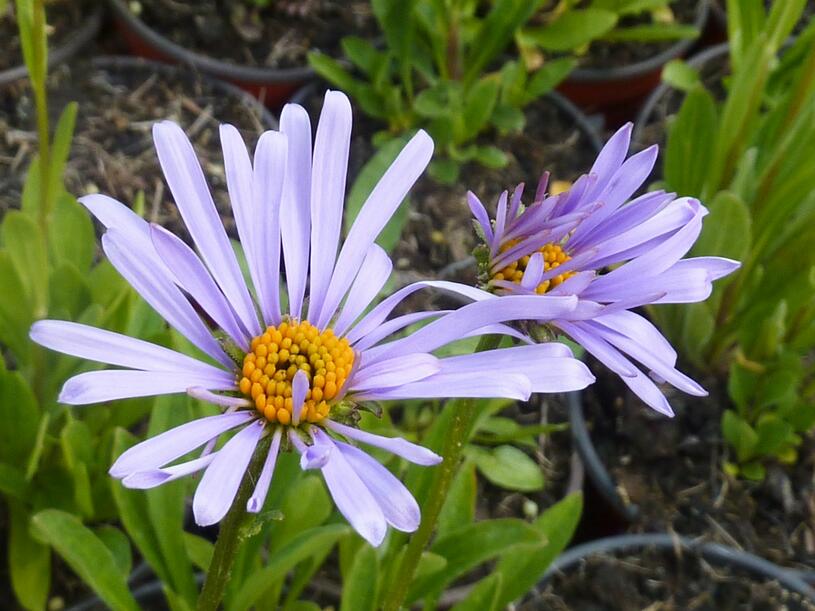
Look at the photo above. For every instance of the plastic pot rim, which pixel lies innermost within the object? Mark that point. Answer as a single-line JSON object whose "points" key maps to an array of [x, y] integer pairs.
{"points": [[641, 68], [712, 552], [216, 67]]}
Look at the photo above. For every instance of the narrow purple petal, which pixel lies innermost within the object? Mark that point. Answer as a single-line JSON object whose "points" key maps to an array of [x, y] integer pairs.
{"points": [[533, 272], [392, 326], [314, 456], [161, 293], [515, 202], [299, 388], [480, 213], [328, 173], [610, 159], [600, 348], [470, 317], [377, 210], [716, 267], [353, 498], [374, 273], [269, 175], [112, 384], [94, 344], [396, 502], [258, 498], [170, 445], [191, 193], [219, 485], [143, 480], [191, 275], [395, 445], [196, 392], [456, 384], [500, 223], [295, 209], [393, 372]]}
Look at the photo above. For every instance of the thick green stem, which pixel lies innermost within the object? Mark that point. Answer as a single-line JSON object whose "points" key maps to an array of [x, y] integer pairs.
{"points": [[463, 412], [229, 538], [38, 82]]}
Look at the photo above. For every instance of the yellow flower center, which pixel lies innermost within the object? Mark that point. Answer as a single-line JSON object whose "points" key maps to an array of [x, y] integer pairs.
{"points": [[553, 256], [279, 353]]}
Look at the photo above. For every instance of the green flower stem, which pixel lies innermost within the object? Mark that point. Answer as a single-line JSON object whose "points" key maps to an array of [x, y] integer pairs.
{"points": [[463, 413], [229, 536], [39, 73]]}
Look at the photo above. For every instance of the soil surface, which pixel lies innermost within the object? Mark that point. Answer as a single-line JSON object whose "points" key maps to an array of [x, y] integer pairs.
{"points": [[112, 151], [660, 581], [64, 18], [277, 35], [672, 470]]}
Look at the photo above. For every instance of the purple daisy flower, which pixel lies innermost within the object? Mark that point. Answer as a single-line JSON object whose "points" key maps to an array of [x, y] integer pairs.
{"points": [[614, 254], [291, 368]]}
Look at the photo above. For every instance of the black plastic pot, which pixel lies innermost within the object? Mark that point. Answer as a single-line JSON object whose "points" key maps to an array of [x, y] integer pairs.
{"points": [[273, 86], [715, 554], [78, 39], [647, 114], [615, 92]]}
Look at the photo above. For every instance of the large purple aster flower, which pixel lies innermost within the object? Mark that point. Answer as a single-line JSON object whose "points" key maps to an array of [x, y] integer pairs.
{"points": [[291, 368], [614, 254]]}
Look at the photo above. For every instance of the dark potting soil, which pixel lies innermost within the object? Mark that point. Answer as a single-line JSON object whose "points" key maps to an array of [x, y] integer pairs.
{"points": [[672, 470], [277, 35], [657, 580], [607, 54], [64, 18], [112, 150]]}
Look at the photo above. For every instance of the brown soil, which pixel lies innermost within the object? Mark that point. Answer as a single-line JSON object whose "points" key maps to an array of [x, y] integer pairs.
{"points": [[112, 151], [64, 18], [279, 35], [660, 581], [672, 470]]}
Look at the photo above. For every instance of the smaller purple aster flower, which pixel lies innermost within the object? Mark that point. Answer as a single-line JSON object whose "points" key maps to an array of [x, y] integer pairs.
{"points": [[614, 254], [294, 369]]}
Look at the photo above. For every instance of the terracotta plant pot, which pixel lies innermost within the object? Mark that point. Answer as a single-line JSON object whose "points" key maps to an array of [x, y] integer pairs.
{"points": [[271, 85], [617, 91], [77, 40]]}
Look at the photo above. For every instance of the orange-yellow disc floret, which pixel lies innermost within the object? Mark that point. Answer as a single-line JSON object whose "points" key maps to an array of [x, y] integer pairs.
{"points": [[553, 256], [279, 353]]}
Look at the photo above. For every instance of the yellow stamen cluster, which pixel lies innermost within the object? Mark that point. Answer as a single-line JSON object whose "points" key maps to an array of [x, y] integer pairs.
{"points": [[553, 256], [279, 353]]}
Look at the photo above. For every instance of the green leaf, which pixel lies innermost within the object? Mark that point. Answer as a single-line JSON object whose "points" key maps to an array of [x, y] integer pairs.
{"points": [[679, 74], [469, 546], [739, 434], [70, 233], [652, 32], [459, 506], [435, 102], [77, 446], [523, 567], [199, 550], [508, 119], [29, 562], [484, 596], [396, 19], [18, 405], [133, 512], [87, 555], [26, 247], [13, 482], [573, 29], [491, 157], [362, 53], [479, 103], [508, 467], [61, 148], [689, 151], [166, 503], [547, 77], [363, 186], [15, 314], [70, 292], [773, 434], [305, 545], [332, 71], [359, 588], [727, 229], [753, 470], [118, 544], [697, 330], [494, 34], [444, 170]]}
